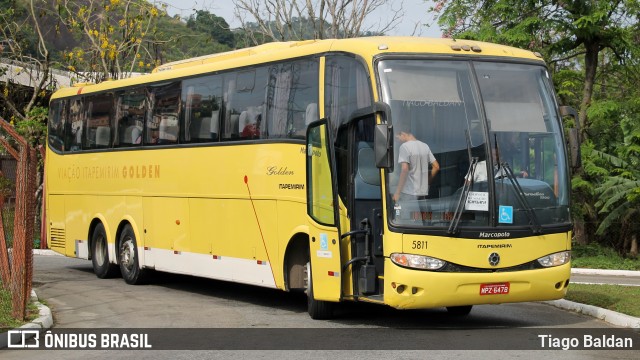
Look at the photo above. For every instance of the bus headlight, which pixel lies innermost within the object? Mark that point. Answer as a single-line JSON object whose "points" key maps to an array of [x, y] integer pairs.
{"points": [[556, 259], [417, 261]]}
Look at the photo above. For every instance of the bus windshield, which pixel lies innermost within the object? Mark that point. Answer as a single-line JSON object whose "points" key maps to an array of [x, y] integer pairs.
{"points": [[480, 143]]}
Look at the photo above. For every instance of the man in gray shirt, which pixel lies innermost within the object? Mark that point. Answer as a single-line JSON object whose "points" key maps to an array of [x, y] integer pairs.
{"points": [[414, 158]]}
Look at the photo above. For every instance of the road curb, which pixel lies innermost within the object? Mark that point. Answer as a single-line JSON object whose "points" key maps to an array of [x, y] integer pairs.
{"points": [[611, 317], [46, 252], [43, 322], [581, 271]]}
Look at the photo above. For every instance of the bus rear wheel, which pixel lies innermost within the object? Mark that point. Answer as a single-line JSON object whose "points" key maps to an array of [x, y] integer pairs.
{"points": [[132, 273], [459, 310], [102, 267], [317, 309]]}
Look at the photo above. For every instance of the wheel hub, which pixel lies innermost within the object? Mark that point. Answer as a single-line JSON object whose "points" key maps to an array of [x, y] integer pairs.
{"points": [[127, 254]]}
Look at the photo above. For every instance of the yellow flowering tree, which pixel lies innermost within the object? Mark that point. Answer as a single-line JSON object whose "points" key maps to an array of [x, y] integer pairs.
{"points": [[116, 36], [25, 65]]}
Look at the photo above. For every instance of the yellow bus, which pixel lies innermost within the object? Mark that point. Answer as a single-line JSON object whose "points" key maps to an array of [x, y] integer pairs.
{"points": [[282, 166]]}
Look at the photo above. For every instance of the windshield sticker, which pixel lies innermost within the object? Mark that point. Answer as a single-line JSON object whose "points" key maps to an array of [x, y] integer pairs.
{"points": [[505, 214], [477, 201]]}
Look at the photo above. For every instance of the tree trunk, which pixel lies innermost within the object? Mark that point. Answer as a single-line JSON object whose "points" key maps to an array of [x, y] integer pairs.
{"points": [[579, 232], [633, 251], [590, 68]]}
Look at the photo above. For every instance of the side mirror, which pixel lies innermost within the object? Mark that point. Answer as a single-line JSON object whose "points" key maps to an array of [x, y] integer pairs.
{"points": [[383, 137], [383, 146], [574, 136]]}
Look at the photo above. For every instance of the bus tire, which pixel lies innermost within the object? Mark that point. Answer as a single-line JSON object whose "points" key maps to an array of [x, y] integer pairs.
{"points": [[102, 267], [459, 310], [317, 309], [128, 258]]}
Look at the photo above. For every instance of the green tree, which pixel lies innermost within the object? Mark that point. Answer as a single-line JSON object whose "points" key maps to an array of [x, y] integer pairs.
{"points": [[619, 193], [180, 42], [216, 26]]}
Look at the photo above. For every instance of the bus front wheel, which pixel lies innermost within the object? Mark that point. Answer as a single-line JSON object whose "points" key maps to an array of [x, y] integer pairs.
{"points": [[102, 267], [318, 309], [128, 258]]}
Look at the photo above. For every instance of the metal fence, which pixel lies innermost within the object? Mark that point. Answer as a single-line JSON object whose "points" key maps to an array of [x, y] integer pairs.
{"points": [[16, 255]]}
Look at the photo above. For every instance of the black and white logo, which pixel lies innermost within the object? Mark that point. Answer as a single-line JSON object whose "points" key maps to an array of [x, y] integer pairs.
{"points": [[20, 339]]}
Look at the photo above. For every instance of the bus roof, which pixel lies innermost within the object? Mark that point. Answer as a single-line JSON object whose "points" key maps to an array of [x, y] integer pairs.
{"points": [[367, 47]]}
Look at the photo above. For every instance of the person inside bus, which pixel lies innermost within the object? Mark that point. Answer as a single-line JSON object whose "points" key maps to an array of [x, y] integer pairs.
{"points": [[414, 159], [136, 133], [480, 171], [131, 134], [154, 135], [252, 130]]}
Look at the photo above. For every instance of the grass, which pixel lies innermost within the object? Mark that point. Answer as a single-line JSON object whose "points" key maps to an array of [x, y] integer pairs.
{"points": [[594, 256], [622, 299], [6, 320]]}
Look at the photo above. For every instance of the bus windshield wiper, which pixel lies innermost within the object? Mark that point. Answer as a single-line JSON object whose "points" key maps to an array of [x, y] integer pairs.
{"points": [[453, 227], [473, 161], [522, 199]]}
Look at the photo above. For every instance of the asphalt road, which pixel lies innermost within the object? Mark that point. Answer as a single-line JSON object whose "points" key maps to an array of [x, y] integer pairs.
{"points": [[605, 279], [79, 300]]}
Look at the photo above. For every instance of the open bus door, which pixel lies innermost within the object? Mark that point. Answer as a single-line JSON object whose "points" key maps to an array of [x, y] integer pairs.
{"points": [[324, 268]]}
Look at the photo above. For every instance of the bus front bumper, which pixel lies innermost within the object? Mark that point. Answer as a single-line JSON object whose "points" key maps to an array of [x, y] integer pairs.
{"points": [[415, 289]]}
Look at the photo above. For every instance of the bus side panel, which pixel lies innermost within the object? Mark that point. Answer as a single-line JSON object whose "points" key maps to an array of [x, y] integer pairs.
{"points": [[56, 219], [207, 228], [166, 233], [215, 238], [78, 217], [78, 213], [240, 227], [291, 222], [264, 228]]}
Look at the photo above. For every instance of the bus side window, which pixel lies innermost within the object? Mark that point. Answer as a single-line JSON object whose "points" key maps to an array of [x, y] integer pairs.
{"points": [[347, 89], [75, 130], [245, 97], [57, 121], [202, 99], [98, 129], [130, 114], [163, 125], [303, 104]]}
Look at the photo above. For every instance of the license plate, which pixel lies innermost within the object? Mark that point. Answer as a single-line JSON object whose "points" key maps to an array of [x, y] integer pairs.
{"points": [[494, 289]]}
